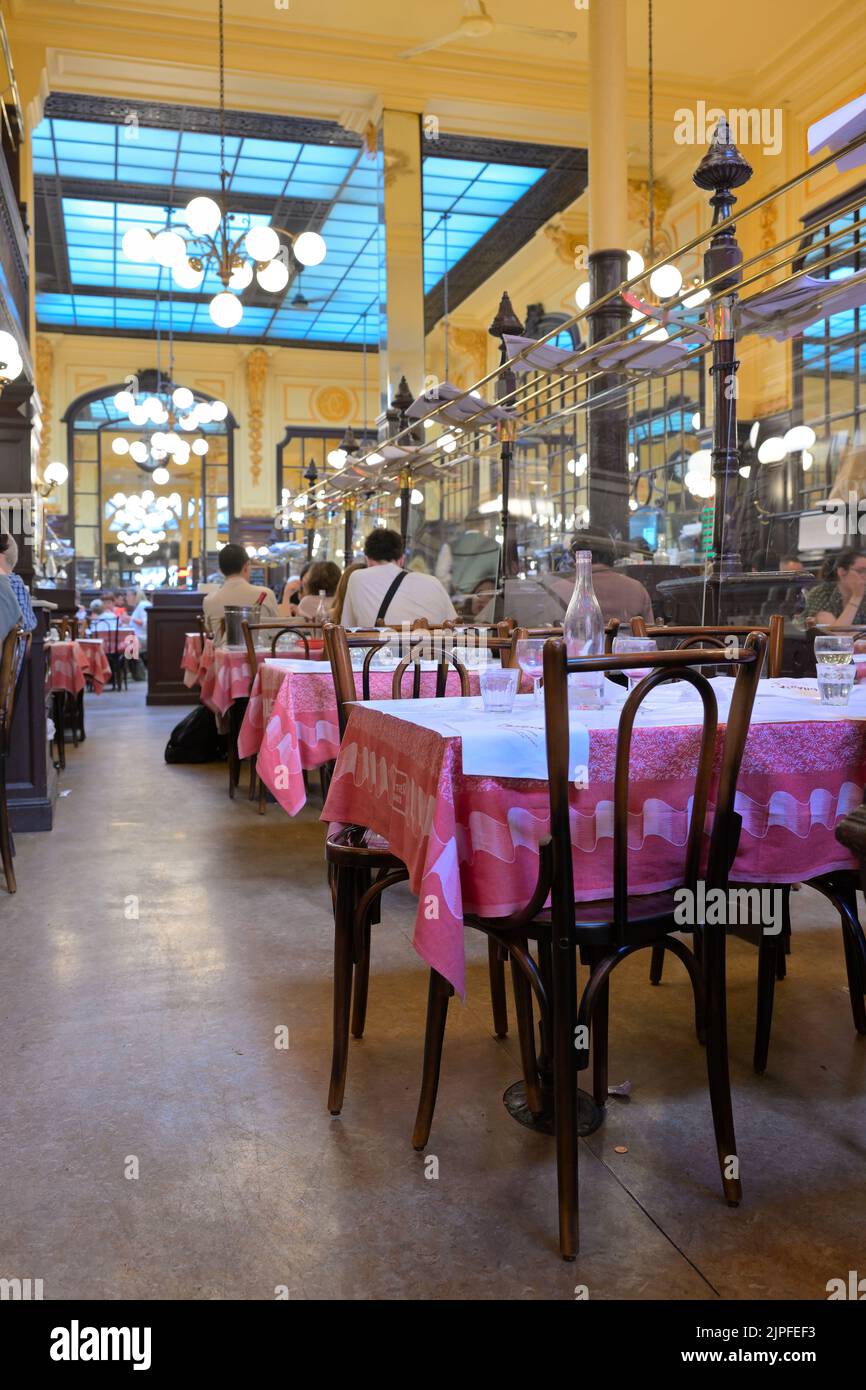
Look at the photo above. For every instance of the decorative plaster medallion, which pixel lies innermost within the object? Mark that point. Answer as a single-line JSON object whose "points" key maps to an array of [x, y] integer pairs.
{"points": [[332, 403]]}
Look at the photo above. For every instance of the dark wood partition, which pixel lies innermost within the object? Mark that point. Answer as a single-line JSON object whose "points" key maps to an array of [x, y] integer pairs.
{"points": [[30, 778], [173, 614]]}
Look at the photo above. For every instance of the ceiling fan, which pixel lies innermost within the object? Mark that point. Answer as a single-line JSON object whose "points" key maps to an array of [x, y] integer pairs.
{"points": [[477, 24], [300, 301]]}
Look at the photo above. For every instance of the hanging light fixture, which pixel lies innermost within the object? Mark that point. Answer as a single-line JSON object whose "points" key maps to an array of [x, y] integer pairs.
{"points": [[11, 365], [207, 239]]}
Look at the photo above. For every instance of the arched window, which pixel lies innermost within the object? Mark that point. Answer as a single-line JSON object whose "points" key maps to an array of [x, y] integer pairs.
{"points": [[173, 528]]}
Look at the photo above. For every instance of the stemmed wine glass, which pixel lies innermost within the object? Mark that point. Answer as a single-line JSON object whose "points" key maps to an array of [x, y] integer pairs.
{"points": [[530, 659], [630, 646]]}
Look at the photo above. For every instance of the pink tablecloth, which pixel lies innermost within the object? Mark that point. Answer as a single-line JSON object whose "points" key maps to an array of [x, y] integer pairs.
{"points": [[70, 662], [190, 662], [301, 730], [471, 843], [225, 677], [127, 642]]}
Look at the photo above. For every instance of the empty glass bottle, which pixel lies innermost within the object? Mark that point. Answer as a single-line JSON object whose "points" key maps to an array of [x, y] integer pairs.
{"points": [[583, 630]]}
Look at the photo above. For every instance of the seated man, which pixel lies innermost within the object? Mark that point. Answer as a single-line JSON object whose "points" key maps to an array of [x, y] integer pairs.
{"points": [[8, 561], [237, 591], [101, 619], [10, 609], [618, 595], [384, 593]]}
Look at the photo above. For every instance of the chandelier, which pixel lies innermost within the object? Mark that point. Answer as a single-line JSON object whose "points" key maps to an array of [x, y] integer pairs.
{"points": [[176, 408], [208, 239], [11, 365]]}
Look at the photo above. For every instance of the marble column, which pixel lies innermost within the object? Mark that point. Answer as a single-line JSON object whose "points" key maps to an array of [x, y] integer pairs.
{"points": [[401, 285]]}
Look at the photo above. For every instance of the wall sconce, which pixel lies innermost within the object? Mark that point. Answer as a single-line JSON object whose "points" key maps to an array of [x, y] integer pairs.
{"points": [[11, 365], [55, 475]]}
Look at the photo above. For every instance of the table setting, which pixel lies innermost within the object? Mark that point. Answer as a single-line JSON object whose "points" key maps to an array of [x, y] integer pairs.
{"points": [[460, 795]]}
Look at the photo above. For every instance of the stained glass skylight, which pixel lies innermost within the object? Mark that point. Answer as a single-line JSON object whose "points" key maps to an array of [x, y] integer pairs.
{"points": [[101, 172]]}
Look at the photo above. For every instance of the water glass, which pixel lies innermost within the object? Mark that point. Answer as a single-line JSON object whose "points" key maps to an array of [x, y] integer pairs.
{"points": [[835, 681], [498, 689], [530, 659], [630, 646], [833, 650]]}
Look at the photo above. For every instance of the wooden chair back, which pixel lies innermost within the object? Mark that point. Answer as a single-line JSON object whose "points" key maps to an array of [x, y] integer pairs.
{"points": [[14, 653], [68, 629], [720, 636], [339, 645], [667, 666]]}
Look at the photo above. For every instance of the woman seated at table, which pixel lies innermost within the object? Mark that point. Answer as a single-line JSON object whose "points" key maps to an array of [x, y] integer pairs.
{"points": [[840, 601], [323, 576], [101, 619]]}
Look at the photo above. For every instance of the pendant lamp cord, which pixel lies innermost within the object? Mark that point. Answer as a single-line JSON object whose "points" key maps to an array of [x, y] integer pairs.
{"points": [[650, 139], [445, 287]]}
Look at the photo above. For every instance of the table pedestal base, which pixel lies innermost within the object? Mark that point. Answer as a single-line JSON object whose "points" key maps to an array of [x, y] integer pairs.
{"points": [[589, 1115]]}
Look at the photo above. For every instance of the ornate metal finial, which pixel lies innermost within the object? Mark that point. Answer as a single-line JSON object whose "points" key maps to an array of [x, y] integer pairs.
{"points": [[402, 398], [506, 320], [349, 443], [722, 167], [311, 472]]}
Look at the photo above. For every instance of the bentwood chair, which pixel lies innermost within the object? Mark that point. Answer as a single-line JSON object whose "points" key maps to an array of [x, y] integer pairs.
{"points": [[361, 865], [114, 652], [607, 932], [12, 659]]}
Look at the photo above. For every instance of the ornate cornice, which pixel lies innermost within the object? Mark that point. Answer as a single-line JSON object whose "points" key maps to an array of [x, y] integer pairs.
{"points": [[203, 119]]}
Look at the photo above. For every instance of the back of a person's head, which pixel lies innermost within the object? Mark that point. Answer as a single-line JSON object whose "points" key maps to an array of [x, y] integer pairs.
{"points": [[97, 606], [324, 574], [383, 545], [232, 559], [839, 560], [9, 548], [600, 546]]}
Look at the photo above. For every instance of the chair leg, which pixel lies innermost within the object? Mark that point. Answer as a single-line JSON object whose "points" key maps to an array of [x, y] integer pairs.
{"points": [[657, 964], [769, 950], [523, 1008], [599, 1039], [718, 1073], [841, 891], [564, 991], [362, 984], [497, 989], [6, 851], [344, 911], [439, 993], [855, 978], [263, 796]]}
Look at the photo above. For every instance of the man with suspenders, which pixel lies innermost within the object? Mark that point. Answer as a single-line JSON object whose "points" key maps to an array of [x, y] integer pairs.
{"points": [[386, 594]]}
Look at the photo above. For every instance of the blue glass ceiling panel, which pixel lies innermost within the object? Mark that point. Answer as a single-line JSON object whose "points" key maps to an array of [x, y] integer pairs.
{"points": [[462, 200]]}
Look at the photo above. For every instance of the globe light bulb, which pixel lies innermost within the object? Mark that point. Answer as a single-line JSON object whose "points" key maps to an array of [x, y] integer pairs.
{"points": [[56, 473], [635, 264], [182, 397], [186, 276], [337, 457], [200, 447], [203, 413], [137, 414], [666, 281], [262, 243], [773, 450], [120, 445], [181, 454], [218, 410], [169, 248], [241, 276], [160, 475], [138, 451], [807, 460], [124, 401], [226, 310], [582, 294], [202, 216], [309, 248], [138, 244], [416, 497], [799, 438], [273, 277]]}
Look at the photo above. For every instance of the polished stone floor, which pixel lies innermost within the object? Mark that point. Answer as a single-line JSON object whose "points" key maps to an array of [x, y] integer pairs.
{"points": [[155, 1143]]}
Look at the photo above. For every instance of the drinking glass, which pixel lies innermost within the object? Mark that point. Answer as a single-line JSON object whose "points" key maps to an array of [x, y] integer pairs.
{"points": [[498, 689], [835, 681], [629, 646], [832, 650], [530, 659]]}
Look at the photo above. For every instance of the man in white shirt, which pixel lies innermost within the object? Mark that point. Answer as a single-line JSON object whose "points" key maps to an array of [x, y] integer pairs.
{"points": [[237, 591], [385, 594]]}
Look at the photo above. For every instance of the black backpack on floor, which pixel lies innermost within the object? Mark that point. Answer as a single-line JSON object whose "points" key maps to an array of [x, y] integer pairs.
{"points": [[196, 740]]}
